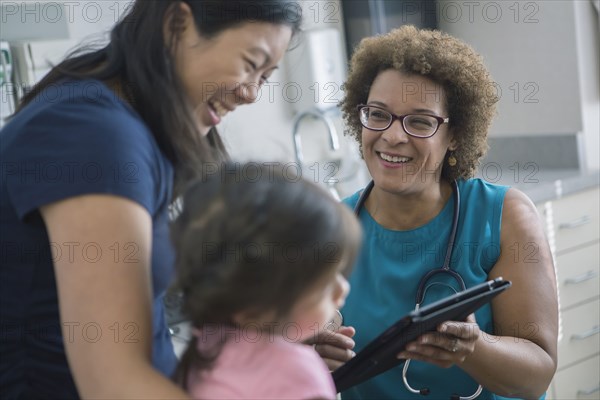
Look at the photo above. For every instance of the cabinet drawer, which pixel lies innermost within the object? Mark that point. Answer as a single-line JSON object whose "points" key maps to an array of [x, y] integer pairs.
{"points": [[576, 219], [580, 336], [579, 381], [578, 272]]}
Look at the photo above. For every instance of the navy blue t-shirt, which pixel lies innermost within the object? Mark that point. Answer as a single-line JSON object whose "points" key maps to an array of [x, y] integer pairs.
{"points": [[74, 138]]}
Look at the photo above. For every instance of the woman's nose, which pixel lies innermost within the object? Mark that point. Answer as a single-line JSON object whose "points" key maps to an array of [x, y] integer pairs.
{"points": [[395, 133]]}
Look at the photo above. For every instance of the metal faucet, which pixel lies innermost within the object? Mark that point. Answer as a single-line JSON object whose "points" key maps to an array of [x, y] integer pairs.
{"points": [[334, 142]]}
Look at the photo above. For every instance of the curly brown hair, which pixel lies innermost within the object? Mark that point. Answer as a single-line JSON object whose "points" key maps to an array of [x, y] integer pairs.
{"points": [[470, 92]]}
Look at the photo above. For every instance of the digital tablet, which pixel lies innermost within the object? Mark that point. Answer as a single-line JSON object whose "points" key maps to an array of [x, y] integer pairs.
{"points": [[380, 354]]}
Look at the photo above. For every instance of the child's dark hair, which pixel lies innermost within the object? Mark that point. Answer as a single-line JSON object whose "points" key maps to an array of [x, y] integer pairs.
{"points": [[254, 238]]}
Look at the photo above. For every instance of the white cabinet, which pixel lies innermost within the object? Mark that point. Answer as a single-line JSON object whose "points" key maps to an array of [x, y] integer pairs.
{"points": [[578, 382], [572, 226], [578, 275]]}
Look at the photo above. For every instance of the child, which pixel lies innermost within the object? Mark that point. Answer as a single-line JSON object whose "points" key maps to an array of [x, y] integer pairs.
{"points": [[260, 257]]}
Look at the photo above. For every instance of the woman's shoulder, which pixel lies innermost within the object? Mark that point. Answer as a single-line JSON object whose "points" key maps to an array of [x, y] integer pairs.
{"points": [[79, 138], [88, 89], [78, 93], [478, 184], [73, 100], [482, 190], [74, 113]]}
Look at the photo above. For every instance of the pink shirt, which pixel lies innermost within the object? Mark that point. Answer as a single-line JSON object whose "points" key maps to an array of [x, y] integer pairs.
{"points": [[269, 368]]}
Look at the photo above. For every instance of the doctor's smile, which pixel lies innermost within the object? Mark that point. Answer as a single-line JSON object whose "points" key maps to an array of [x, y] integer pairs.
{"points": [[393, 158]]}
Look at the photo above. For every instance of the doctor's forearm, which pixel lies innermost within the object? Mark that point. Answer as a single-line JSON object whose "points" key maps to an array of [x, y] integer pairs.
{"points": [[510, 367]]}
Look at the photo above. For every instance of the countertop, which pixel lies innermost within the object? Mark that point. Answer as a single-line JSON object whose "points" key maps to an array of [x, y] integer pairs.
{"points": [[542, 185]]}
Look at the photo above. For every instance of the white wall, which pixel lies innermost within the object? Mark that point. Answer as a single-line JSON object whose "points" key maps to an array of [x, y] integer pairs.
{"points": [[543, 56], [38, 23], [88, 21], [263, 131], [530, 50]]}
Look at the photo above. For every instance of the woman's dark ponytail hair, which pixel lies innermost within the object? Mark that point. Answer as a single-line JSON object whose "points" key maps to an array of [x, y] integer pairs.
{"points": [[136, 58]]}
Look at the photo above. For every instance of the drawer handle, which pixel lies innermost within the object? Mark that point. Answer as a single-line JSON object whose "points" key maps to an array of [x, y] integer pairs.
{"points": [[580, 336], [575, 223], [581, 278], [581, 392]]}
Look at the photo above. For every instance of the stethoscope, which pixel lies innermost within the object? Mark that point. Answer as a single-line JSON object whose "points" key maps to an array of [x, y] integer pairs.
{"points": [[423, 287]]}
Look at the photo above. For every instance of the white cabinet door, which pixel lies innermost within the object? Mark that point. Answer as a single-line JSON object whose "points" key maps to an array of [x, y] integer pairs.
{"points": [[579, 382], [578, 275]]}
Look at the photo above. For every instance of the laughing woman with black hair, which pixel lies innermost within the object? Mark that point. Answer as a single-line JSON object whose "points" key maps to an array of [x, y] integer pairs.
{"points": [[114, 134]]}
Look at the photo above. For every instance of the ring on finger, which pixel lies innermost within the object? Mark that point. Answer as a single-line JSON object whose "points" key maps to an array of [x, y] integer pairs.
{"points": [[454, 345]]}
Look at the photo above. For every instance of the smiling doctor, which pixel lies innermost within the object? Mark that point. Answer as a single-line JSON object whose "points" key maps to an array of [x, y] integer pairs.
{"points": [[94, 156], [420, 103]]}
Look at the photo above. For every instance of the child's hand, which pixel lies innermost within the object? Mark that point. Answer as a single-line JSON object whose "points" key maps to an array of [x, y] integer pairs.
{"points": [[334, 347]]}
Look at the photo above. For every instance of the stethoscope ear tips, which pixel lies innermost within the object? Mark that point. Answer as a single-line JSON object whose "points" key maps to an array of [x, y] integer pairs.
{"points": [[424, 392]]}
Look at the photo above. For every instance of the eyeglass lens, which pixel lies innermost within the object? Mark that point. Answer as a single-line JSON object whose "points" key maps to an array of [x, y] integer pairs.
{"points": [[414, 124]]}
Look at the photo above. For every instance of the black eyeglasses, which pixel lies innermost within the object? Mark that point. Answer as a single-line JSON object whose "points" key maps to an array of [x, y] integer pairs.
{"points": [[417, 125]]}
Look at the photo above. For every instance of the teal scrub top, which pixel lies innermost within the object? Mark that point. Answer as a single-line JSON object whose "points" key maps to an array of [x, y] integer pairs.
{"points": [[390, 265]]}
